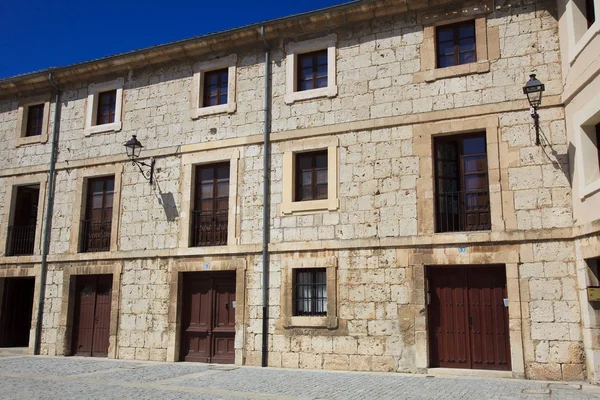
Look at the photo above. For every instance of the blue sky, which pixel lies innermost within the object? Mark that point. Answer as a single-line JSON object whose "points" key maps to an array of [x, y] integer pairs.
{"points": [[37, 34]]}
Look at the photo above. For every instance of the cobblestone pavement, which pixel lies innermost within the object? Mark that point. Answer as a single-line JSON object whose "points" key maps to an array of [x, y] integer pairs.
{"points": [[28, 377]]}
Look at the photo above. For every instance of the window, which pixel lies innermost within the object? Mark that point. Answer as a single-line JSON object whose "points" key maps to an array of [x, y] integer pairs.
{"points": [[213, 88], [21, 233], [586, 125], [35, 120], [598, 142], [311, 69], [455, 44], [310, 292], [211, 205], [97, 225], [462, 187], [590, 13], [104, 106], [311, 176]]}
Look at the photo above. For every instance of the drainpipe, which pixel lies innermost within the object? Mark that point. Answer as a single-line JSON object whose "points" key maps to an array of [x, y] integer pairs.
{"points": [[266, 222], [48, 218]]}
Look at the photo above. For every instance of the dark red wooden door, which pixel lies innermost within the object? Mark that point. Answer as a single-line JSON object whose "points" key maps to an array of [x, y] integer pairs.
{"points": [[468, 322], [17, 307], [91, 319], [208, 317]]}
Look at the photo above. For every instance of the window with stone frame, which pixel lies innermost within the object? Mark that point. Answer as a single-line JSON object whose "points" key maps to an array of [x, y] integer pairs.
{"points": [[216, 85], [104, 107], [35, 120], [455, 44], [210, 215], [310, 292], [97, 226], [311, 176]]}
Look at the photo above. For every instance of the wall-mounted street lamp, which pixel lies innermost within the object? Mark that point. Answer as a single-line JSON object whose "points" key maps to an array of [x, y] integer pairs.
{"points": [[533, 89], [134, 148]]}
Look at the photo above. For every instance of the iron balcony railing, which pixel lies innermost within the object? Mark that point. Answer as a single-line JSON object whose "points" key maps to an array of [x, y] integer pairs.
{"points": [[95, 235], [20, 240], [209, 228], [463, 211]]}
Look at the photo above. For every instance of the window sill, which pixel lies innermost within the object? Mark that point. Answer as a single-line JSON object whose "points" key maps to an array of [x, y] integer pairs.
{"points": [[312, 322], [582, 43], [229, 108], [329, 91], [432, 75], [25, 141], [590, 189], [309, 206], [91, 130]]}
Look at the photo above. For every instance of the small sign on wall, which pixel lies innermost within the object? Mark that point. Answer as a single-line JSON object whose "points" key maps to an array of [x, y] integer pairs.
{"points": [[206, 266], [593, 293], [462, 250]]}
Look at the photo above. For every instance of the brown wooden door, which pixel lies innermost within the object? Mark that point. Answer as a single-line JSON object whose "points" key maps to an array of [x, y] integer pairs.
{"points": [[17, 307], [208, 317], [91, 319], [468, 322]]}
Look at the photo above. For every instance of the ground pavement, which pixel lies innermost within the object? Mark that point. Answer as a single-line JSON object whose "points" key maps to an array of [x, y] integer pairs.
{"points": [[29, 377]]}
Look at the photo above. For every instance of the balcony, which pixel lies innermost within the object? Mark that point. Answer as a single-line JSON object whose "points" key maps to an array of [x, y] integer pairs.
{"points": [[95, 235], [21, 240], [463, 211], [209, 228]]}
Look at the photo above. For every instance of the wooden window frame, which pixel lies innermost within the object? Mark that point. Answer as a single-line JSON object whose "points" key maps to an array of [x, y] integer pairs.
{"points": [[35, 120], [84, 242], [314, 57], [317, 283], [314, 169], [103, 118], [457, 51], [219, 73], [218, 214]]}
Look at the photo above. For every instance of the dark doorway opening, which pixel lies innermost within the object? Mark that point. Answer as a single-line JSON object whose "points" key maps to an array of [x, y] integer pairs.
{"points": [[16, 312]]}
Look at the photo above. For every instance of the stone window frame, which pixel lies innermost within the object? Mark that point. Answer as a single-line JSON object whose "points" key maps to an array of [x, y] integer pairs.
{"points": [[290, 149], [487, 44], [189, 162], [197, 110], [424, 137], [21, 138], [578, 34], [94, 89], [10, 203], [287, 318], [586, 148], [79, 208], [292, 50]]}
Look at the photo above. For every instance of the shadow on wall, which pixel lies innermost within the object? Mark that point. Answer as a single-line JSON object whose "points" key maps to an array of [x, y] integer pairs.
{"points": [[167, 200]]}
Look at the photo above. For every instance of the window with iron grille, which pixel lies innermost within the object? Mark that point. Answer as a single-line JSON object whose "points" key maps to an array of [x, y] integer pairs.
{"points": [[107, 102], [311, 176], [312, 70], [455, 44], [462, 186], [310, 292], [210, 217], [35, 120], [21, 233], [216, 84], [97, 226]]}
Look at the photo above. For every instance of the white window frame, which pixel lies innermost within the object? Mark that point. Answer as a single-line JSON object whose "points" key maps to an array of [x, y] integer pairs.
{"points": [[22, 114], [94, 90], [577, 32], [197, 109], [290, 149], [586, 148], [291, 63]]}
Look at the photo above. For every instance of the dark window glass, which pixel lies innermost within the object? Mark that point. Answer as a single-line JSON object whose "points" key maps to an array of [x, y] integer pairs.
{"points": [[21, 233], [215, 87], [598, 141], [310, 291], [461, 182], [455, 44], [312, 70], [107, 102], [211, 205], [590, 12], [96, 228], [35, 118], [311, 175]]}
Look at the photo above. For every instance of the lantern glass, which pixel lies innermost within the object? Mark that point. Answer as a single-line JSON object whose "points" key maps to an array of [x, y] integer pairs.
{"points": [[133, 148], [534, 89]]}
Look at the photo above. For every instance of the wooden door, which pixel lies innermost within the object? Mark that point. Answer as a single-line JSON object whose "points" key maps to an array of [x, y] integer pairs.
{"points": [[468, 322], [208, 317], [91, 319], [17, 308]]}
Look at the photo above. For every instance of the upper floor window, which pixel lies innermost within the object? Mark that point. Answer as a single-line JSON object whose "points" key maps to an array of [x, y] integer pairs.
{"points": [[35, 120], [215, 87], [107, 102], [21, 233], [462, 187], [210, 215], [590, 12], [455, 44], [311, 176], [97, 225], [310, 292], [312, 70]]}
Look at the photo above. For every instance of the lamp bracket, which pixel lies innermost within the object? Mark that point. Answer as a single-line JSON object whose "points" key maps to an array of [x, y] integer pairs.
{"points": [[149, 175]]}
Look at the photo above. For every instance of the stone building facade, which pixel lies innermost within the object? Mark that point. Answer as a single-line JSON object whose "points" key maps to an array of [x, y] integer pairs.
{"points": [[376, 237]]}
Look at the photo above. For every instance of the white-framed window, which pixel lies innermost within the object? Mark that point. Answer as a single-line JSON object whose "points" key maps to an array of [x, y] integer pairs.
{"points": [[586, 125], [104, 107], [213, 88], [311, 69], [583, 24], [32, 121], [310, 175]]}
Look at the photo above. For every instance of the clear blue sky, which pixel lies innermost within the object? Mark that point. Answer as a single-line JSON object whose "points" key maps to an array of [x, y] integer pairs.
{"points": [[37, 34]]}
